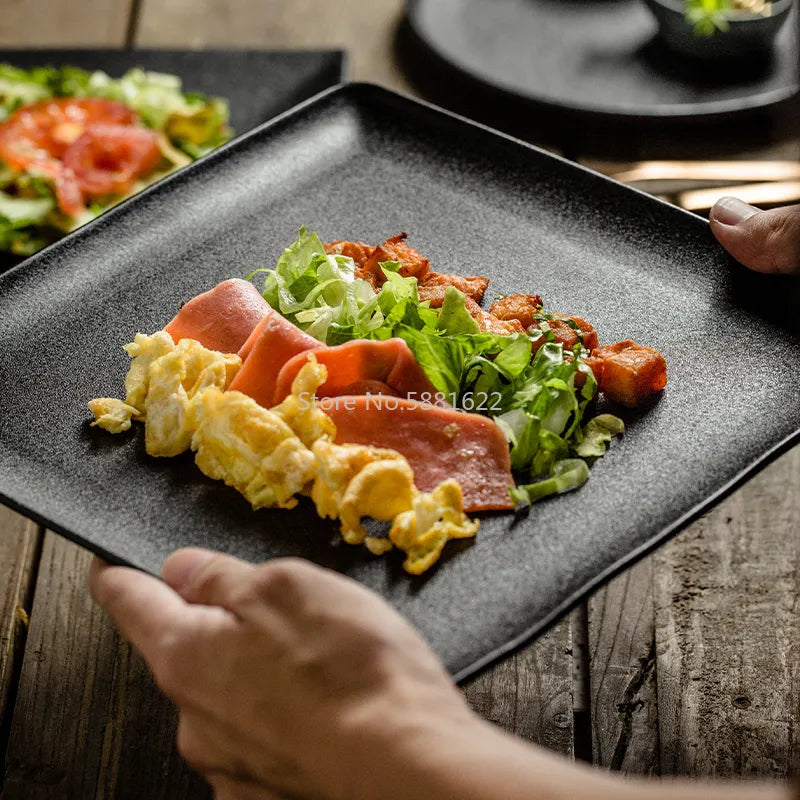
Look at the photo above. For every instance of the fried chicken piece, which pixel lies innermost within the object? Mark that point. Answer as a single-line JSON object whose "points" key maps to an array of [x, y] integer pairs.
{"points": [[396, 249], [489, 323], [522, 307], [435, 285], [631, 373], [358, 251], [567, 334], [434, 293], [595, 364]]}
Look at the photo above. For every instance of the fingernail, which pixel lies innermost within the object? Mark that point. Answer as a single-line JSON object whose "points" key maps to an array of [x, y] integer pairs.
{"points": [[179, 569], [732, 211]]}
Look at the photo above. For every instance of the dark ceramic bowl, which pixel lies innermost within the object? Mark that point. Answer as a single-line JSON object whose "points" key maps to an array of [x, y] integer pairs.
{"points": [[748, 35]]}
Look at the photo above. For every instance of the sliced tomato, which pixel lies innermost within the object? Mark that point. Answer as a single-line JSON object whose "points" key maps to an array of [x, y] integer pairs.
{"points": [[68, 193], [19, 149], [107, 153], [107, 159], [57, 122]]}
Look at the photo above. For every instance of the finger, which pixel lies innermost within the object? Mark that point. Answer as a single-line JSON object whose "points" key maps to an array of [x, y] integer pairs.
{"points": [[229, 787], [216, 746], [764, 241], [178, 570], [206, 578], [142, 607], [212, 742]]}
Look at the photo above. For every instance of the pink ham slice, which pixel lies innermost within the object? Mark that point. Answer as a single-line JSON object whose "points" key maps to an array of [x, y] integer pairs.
{"points": [[362, 366], [273, 343], [439, 443], [221, 318]]}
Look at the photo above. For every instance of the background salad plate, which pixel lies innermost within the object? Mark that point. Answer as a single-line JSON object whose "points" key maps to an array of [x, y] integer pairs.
{"points": [[258, 84]]}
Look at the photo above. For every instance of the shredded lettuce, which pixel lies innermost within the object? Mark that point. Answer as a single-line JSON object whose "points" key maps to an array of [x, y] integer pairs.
{"points": [[321, 294], [24, 210], [25, 225], [193, 122], [537, 393]]}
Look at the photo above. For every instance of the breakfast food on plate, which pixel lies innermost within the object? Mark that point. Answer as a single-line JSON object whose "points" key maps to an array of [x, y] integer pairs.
{"points": [[343, 384], [74, 143], [272, 454]]}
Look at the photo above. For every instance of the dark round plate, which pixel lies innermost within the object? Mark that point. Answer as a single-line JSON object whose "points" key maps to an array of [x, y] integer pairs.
{"points": [[595, 56]]}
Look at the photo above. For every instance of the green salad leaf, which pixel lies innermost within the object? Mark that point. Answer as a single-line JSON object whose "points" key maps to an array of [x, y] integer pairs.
{"points": [[598, 434], [19, 87], [192, 121], [454, 317], [27, 223], [23, 210], [565, 475], [321, 294], [535, 391]]}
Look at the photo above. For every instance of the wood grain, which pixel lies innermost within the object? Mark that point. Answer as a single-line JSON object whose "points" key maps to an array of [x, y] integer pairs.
{"points": [[61, 23], [365, 28], [726, 597], [529, 694], [622, 676], [89, 722], [20, 540]]}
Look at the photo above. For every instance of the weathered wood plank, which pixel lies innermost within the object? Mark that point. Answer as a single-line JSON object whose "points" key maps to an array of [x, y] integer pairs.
{"points": [[530, 693], [61, 23], [622, 623], [726, 596], [20, 540], [88, 722], [365, 28], [622, 680]]}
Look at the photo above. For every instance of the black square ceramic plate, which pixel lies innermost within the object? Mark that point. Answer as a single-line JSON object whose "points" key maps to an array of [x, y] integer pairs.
{"points": [[258, 83], [360, 162]]}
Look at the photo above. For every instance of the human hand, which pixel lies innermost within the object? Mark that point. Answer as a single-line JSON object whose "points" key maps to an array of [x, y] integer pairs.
{"points": [[764, 241], [291, 680]]}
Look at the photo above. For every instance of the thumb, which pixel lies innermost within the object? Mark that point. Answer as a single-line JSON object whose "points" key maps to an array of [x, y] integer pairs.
{"points": [[764, 241]]}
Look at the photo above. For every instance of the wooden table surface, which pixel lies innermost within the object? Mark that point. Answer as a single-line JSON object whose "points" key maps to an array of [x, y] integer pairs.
{"points": [[688, 663]]}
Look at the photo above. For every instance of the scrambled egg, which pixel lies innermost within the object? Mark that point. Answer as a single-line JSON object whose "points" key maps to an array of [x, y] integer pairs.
{"points": [[112, 414], [355, 481], [177, 383], [162, 386], [272, 455], [434, 519], [302, 416], [251, 449]]}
